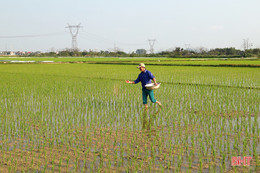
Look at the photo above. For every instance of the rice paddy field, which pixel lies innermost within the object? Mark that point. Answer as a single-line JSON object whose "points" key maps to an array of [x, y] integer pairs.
{"points": [[255, 62], [85, 118]]}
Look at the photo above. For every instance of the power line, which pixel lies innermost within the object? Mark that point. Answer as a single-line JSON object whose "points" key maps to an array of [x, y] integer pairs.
{"points": [[31, 36]]}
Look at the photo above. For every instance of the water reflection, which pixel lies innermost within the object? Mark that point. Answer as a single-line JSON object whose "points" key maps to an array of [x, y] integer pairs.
{"points": [[148, 118]]}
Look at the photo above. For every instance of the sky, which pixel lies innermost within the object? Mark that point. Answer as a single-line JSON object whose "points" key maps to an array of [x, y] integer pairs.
{"points": [[37, 25]]}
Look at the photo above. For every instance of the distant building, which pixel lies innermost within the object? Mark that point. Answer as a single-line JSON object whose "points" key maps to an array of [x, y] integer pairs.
{"points": [[9, 53], [19, 53], [141, 51], [38, 52]]}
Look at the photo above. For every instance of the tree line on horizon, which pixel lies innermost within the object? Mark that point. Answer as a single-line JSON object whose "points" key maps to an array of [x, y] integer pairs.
{"points": [[178, 52]]}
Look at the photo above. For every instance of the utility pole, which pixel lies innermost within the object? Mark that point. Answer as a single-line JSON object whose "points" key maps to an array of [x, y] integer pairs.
{"points": [[74, 30], [246, 45], [116, 49], [151, 43]]}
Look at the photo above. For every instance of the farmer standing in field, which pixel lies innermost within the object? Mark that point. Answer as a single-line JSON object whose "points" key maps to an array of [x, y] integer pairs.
{"points": [[145, 77]]}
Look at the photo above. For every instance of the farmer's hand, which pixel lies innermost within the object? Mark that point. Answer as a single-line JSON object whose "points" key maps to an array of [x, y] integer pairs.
{"points": [[155, 84]]}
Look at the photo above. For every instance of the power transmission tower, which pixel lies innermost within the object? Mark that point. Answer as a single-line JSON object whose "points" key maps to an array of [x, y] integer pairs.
{"points": [[151, 43], [74, 30]]}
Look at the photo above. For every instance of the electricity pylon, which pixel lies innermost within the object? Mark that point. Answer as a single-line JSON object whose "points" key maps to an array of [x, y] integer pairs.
{"points": [[151, 43], [74, 30]]}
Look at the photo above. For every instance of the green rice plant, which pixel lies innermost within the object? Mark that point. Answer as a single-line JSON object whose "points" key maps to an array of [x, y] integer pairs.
{"points": [[179, 162], [67, 163], [9, 168], [60, 163]]}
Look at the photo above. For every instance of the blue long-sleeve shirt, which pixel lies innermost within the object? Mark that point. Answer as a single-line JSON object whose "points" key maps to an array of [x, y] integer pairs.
{"points": [[145, 78]]}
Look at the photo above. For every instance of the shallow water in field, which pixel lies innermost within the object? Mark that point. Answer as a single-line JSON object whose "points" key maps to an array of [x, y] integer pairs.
{"points": [[69, 118]]}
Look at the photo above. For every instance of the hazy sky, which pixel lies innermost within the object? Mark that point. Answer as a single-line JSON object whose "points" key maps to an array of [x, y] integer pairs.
{"points": [[31, 25]]}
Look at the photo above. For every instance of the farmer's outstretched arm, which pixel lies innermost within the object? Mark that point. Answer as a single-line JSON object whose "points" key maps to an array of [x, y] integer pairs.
{"points": [[131, 82], [134, 82]]}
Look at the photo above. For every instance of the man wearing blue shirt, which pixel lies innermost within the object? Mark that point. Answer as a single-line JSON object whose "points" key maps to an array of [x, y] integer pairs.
{"points": [[145, 78]]}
